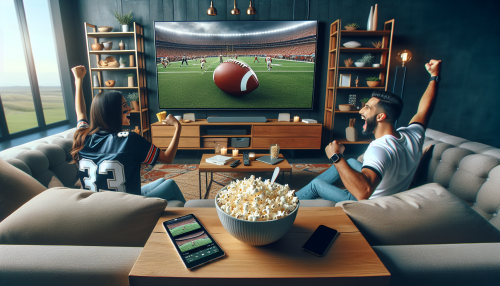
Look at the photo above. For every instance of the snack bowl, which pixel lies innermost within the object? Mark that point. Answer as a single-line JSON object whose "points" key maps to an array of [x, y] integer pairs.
{"points": [[256, 232]]}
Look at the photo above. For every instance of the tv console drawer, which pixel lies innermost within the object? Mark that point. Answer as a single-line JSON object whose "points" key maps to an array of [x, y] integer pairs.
{"points": [[288, 143], [168, 131], [184, 142], [286, 131]]}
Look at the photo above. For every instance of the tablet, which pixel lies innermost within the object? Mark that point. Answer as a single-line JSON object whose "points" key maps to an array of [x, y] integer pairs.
{"points": [[193, 243]]}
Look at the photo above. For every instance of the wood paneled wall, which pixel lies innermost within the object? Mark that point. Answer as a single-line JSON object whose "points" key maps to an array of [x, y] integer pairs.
{"points": [[461, 33]]}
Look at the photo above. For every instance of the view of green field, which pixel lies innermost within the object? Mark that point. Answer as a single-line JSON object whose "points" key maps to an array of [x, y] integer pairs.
{"points": [[184, 228], [197, 243], [20, 109], [288, 85]]}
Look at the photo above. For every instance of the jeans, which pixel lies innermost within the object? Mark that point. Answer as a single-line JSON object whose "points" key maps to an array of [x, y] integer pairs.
{"points": [[322, 186], [163, 189]]}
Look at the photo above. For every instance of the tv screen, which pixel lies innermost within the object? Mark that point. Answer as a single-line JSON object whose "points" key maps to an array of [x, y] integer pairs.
{"points": [[236, 64]]}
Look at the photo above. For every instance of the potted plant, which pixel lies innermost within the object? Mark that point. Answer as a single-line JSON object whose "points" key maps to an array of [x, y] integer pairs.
{"points": [[351, 27], [364, 101], [124, 20], [366, 59], [373, 81], [130, 79], [134, 100]]}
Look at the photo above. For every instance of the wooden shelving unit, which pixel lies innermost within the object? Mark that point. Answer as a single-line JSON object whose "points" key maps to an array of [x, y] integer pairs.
{"points": [[334, 70], [137, 34]]}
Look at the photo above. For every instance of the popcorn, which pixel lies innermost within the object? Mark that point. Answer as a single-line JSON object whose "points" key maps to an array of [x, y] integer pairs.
{"points": [[254, 200]]}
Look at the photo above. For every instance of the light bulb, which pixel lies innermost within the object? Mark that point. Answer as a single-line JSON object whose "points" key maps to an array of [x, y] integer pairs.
{"points": [[404, 56]]}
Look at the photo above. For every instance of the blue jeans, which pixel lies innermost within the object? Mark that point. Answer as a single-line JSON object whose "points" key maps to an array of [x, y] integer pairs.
{"points": [[163, 189], [322, 186]]}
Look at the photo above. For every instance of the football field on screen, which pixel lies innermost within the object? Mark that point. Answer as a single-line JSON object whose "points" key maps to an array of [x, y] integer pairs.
{"points": [[288, 85]]}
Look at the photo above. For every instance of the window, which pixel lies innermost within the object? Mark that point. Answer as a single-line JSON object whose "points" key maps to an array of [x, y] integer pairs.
{"points": [[30, 86]]}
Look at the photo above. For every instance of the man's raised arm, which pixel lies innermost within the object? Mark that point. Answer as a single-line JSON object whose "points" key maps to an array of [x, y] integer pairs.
{"points": [[426, 105]]}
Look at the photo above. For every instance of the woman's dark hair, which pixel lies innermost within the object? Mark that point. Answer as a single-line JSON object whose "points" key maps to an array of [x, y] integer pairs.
{"points": [[391, 104], [105, 114]]}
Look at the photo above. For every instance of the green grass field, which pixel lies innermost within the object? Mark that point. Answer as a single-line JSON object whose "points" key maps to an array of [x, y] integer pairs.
{"points": [[288, 85], [188, 227], [20, 109], [200, 242]]}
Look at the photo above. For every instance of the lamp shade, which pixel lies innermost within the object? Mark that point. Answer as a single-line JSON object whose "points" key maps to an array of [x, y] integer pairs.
{"points": [[251, 10], [404, 56], [212, 11], [235, 10]]}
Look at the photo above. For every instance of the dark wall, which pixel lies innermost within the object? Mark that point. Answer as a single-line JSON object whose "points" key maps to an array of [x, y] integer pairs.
{"points": [[461, 33]]}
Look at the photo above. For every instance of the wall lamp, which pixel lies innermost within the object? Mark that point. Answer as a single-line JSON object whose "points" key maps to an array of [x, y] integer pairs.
{"points": [[235, 11], [212, 11]]}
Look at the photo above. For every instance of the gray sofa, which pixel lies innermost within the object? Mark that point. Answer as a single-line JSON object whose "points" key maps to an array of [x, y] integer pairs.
{"points": [[445, 232], [64, 236]]}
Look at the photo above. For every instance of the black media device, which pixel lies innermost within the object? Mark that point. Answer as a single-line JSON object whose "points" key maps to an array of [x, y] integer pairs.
{"points": [[234, 163], [246, 159], [193, 243], [320, 241]]}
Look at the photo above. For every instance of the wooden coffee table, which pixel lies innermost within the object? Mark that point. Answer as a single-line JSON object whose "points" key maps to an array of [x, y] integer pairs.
{"points": [[255, 166], [350, 260]]}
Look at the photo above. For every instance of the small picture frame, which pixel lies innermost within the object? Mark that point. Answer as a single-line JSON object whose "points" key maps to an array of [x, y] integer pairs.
{"points": [[345, 80], [284, 117]]}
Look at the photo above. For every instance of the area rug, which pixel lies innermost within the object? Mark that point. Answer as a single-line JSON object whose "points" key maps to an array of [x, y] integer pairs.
{"points": [[187, 177]]}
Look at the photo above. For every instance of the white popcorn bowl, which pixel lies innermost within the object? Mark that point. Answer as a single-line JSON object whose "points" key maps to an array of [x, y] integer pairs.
{"points": [[256, 232]]}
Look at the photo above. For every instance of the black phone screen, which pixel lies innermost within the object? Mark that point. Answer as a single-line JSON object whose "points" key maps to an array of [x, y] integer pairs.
{"points": [[193, 243], [320, 240]]}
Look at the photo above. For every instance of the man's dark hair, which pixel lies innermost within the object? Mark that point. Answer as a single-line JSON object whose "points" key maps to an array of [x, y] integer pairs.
{"points": [[391, 104]]}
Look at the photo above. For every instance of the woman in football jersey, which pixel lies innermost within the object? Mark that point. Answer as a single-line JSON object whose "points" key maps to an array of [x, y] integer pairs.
{"points": [[109, 159]]}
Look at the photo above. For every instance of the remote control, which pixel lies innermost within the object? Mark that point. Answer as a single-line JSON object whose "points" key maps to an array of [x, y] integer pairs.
{"points": [[246, 159], [234, 163]]}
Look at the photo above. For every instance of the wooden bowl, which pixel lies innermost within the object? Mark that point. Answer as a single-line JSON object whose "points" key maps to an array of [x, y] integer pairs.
{"points": [[110, 83], [185, 120], [346, 107], [105, 29], [97, 47], [373, 83]]}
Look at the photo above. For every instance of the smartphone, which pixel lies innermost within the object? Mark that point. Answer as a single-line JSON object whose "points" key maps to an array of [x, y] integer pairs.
{"points": [[193, 243], [320, 241]]}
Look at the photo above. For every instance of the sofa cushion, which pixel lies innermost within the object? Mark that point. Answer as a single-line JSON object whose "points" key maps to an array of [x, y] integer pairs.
{"points": [[62, 216], [17, 188], [62, 265], [425, 215], [55, 183], [420, 176]]}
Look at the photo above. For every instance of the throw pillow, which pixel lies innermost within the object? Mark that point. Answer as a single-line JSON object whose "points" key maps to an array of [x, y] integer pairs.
{"points": [[420, 175], [63, 216], [429, 214], [17, 188], [55, 183]]}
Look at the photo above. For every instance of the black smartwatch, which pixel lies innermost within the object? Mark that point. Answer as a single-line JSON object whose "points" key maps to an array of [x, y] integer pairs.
{"points": [[336, 157], [435, 78]]}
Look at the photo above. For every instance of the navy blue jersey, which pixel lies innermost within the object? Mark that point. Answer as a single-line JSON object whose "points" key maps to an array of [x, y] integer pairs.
{"points": [[112, 161]]}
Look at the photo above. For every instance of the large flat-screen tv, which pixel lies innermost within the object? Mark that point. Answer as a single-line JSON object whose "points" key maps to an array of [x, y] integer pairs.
{"points": [[223, 65]]}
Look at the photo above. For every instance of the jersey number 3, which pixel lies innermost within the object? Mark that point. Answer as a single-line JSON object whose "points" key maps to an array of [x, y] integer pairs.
{"points": [[115, 167]]}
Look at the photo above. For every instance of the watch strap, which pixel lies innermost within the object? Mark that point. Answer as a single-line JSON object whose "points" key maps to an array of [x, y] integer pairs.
{"points": [[336, 158], [435, 78]]}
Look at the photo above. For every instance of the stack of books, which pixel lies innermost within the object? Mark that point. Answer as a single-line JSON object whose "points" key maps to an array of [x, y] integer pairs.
{"points": [[219, 160], [309, 121]]}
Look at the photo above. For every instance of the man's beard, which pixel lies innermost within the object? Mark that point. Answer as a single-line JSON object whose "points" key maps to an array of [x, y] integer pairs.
{"points": [[371, 124]]}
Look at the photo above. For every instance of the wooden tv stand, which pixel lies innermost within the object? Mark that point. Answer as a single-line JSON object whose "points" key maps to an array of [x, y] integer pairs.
{"points": [[289, 135]]}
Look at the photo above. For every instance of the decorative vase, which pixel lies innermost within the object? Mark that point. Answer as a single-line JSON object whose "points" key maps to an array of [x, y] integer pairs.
{"points": [[121, 45], [375, 18], [97, 47], [110, 83], [125, 28], [131, 59], [130, 81], [135, 105], [351, 134], [95, 81], [370, 20]]}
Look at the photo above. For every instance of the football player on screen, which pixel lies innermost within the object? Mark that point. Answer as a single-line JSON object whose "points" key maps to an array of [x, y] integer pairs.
{"points": [[109, 159]]}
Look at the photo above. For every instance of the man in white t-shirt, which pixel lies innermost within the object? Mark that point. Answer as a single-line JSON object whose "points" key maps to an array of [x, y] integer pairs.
{"points": [[390, 161]]}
